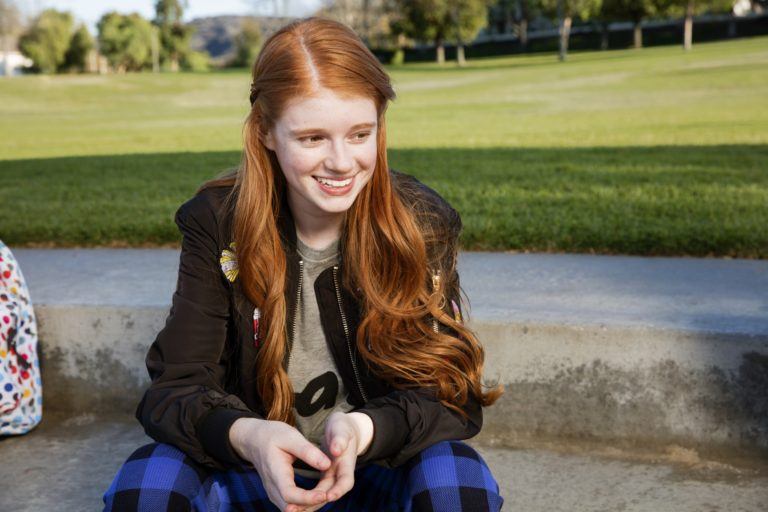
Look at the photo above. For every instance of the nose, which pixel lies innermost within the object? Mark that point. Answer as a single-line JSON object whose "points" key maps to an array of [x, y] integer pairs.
{"points": [[340, 158]]}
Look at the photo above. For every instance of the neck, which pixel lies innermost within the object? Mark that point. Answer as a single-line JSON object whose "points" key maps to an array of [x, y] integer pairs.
{"points": [[317, 231]]}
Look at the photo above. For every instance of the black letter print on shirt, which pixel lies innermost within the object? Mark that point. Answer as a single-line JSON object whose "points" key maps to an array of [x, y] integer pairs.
{"points": [[330, 386]]}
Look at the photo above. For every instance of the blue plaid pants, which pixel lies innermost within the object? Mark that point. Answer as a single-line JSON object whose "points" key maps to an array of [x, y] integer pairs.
{"points": [[448, 476]]}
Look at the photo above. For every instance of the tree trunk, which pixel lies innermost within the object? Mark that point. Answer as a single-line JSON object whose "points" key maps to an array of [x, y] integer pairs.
{"points": [[175, 64], [565, 32], [688, 29], [638, 34], [460, 54], [155, 51], [440, 47], [524, 33], [604, 33]]}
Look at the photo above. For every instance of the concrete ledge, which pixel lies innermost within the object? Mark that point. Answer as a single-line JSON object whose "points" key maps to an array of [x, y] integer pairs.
{"points": [[644, 350], [92, 357], [645, 385]]}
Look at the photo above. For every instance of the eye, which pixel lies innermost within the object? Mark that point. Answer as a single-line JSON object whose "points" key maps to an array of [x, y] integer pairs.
{"points": [[362, 135], [311, 138]]}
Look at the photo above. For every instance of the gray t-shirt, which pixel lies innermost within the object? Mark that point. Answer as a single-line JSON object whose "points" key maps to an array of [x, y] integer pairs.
{"points": [[317, 386]]}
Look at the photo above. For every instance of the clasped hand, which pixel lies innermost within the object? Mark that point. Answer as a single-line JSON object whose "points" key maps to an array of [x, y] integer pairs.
{"points": [[273, 446]]}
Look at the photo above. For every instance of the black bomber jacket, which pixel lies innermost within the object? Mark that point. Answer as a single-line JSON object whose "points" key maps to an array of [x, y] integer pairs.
{"points": [[202, 362]]}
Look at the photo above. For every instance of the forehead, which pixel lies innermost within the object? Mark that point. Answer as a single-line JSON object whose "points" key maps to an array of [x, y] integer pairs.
{"points": [[327, 110]]}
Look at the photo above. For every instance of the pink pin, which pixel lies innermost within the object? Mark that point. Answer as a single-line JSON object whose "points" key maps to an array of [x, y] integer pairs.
{"points": [[456, 311], [256, 316]]}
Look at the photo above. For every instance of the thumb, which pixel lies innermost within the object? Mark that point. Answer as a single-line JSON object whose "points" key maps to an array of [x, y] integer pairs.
{"points": [[339, 443]]}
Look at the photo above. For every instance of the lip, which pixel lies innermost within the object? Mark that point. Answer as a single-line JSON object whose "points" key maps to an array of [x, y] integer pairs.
{"points": [[335, 191]]}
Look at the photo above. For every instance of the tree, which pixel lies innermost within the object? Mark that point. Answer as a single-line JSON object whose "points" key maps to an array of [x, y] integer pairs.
{"points": [[368, 18], [467, 18], [514, 16], [10, 28], [634, 10], [196, 61], [174, 34], [247, 44], [690, 8], [525, 12], [47, 39], [565, 11], [425, 20], [126, 41], [80, 44]]}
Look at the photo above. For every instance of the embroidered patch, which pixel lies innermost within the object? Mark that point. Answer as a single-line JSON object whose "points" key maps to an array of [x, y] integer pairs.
{"points": [[228, 262]]}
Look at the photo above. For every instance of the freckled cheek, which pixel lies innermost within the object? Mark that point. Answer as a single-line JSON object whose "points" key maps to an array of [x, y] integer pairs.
{"points": [[367, 157], [302, 164]]}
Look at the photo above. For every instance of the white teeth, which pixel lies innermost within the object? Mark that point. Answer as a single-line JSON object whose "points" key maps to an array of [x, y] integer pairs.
{"points": [[334, 183]]}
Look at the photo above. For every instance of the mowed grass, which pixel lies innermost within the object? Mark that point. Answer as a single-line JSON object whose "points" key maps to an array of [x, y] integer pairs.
{"points": [[652, 152]]}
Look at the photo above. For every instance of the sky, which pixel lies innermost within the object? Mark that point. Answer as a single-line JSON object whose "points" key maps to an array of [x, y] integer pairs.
{"points": [[89, 11]]}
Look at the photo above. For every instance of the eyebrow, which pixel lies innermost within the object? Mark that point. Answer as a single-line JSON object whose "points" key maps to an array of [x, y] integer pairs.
{"points": [[358, 126]]}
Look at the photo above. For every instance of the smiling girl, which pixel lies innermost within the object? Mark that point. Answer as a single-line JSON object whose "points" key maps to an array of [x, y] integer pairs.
{"points": [[314, 356]]}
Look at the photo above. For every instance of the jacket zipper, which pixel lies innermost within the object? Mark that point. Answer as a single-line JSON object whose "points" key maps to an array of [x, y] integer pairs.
{"points": [[295, 314], [346, 333]]}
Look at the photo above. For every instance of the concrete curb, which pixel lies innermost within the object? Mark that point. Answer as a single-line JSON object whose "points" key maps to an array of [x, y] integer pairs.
{"points": [[641, 350], [646, 385]]}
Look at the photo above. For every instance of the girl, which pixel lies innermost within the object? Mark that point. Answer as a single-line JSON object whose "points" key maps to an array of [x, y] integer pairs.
{"points": [[314, 355]]}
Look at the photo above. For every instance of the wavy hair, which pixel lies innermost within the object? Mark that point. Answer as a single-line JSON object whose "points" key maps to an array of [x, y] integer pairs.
{"points": [[388, 253]]}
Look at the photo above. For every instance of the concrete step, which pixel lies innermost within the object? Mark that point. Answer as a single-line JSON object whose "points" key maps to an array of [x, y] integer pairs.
{"points": [[67, 464], [651, 351]]}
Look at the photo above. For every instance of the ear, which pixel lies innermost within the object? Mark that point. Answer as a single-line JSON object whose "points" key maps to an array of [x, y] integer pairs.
{"points": [[269, 140]]}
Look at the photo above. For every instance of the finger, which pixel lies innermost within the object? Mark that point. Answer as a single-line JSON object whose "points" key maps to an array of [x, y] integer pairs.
{"points": [[345, 477], [309, 453], [297, 508], [290, 492], [325, 483], [301, 497], [339, 444], [313, 508]]}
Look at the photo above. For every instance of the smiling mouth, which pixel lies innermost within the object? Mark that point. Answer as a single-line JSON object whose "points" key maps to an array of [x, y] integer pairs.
{"points": [[334, 183]]}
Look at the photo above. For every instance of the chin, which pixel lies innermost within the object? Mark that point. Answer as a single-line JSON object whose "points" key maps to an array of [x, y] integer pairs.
{"points": [[336, 206]]}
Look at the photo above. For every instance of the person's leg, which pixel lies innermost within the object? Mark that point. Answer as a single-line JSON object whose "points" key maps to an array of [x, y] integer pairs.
{"points": [[376, 489], [156, 476], [159, 477], [443, 477], [451, 476]]}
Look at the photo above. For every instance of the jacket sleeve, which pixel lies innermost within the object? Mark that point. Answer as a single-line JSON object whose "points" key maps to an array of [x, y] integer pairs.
{"points": [[186, 404], [409, 421]]}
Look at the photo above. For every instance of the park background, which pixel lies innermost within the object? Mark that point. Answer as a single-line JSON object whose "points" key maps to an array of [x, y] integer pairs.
{"points": [[650, 151]]}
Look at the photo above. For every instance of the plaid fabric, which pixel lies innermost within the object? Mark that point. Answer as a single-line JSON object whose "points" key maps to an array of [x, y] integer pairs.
{"points": [[448, 476]]}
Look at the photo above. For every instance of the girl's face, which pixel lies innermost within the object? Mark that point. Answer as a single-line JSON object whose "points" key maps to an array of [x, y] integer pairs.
{"points": [[326, 147]]}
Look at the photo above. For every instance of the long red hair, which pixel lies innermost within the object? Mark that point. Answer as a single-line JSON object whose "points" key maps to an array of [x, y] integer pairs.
{"points": [[387, 250]]}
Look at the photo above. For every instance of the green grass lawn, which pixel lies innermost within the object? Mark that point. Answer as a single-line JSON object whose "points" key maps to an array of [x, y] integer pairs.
{"points": [[653, 152]]}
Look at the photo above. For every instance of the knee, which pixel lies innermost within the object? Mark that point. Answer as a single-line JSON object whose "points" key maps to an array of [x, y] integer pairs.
{"points": [[449, 474], [156, 476]]}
